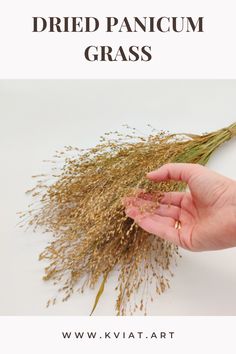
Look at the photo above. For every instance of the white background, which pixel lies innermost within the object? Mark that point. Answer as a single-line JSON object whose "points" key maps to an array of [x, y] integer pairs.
{"points": [[192, 334], [38, 117], [24, 54]]}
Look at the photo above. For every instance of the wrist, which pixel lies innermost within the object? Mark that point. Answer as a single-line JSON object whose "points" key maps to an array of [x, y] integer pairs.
{"points": [[234, 193], [234, 208]]}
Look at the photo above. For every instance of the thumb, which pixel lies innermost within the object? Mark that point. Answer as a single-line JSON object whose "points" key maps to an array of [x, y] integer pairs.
{"points": [[176, 172]]}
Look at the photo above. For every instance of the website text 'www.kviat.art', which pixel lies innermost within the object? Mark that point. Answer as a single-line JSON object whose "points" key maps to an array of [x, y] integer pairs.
{"points": [[118, 335]]}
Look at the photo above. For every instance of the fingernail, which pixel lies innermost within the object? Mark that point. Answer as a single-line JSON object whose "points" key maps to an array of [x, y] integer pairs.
{"points": [[150, 174]]}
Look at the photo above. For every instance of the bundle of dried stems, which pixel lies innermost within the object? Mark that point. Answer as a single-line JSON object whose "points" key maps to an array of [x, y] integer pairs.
{"points": [[80, 205]]}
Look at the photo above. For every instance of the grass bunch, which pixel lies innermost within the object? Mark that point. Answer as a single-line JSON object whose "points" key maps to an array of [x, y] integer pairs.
{"points": [[80, 206]]}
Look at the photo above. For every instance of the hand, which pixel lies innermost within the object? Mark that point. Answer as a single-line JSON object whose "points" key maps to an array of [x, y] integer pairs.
{"points": [[207, 213]]}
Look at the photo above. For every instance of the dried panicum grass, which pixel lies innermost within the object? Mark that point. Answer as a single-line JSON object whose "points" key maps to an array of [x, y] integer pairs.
{"points": [[81, 206]]}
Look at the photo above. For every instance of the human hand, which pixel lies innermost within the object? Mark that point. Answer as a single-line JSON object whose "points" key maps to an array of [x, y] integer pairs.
{"points": [[207, 213]]}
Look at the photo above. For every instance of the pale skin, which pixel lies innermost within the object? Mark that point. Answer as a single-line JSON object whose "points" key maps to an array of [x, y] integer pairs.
{"points": [[207, 212]]}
